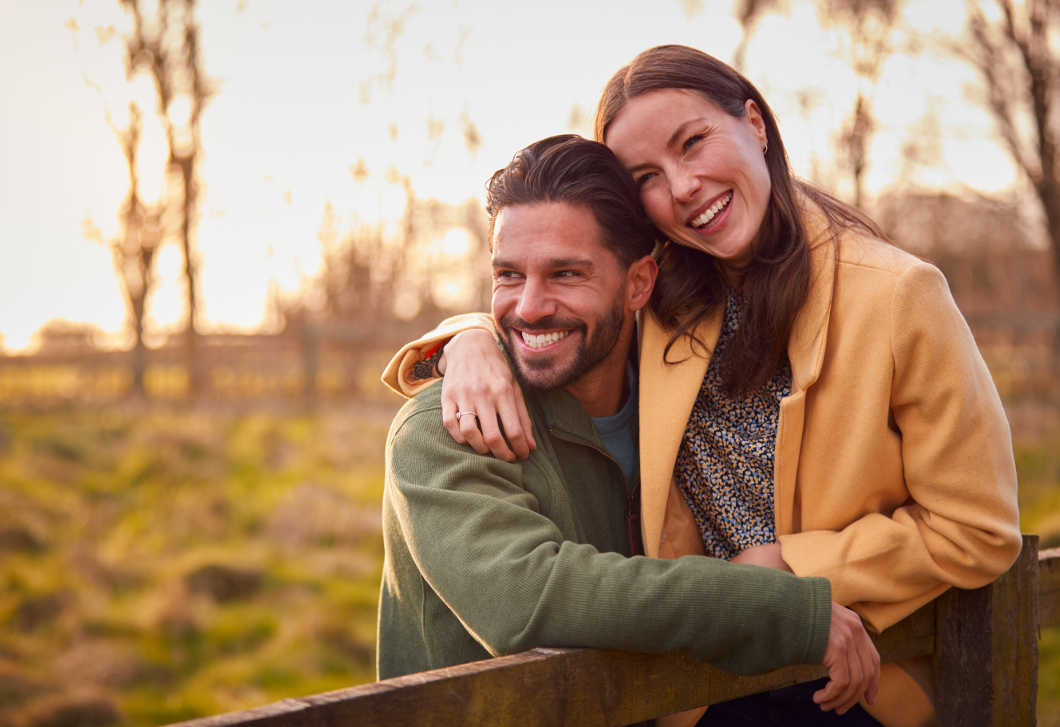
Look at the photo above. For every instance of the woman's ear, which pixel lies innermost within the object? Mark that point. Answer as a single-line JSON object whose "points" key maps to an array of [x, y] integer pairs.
{"points": [[753, 115], [640, 280]]}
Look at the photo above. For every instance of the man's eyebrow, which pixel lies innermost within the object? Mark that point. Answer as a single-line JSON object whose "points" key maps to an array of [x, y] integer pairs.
{"points": [[571, 262], [554, 263]]}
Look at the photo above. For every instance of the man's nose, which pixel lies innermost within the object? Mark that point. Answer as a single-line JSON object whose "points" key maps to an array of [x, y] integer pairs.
{"points": [[535, 302]]}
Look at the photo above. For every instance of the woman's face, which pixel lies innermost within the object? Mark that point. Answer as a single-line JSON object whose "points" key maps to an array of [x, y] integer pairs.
{"points": [[701, 172]]}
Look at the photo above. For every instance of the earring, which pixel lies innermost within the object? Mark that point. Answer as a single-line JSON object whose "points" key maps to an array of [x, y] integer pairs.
{"points": [[765, 148]]}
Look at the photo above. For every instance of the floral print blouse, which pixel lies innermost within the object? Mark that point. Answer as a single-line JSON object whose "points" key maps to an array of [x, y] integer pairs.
{"points": [[725, 464]]}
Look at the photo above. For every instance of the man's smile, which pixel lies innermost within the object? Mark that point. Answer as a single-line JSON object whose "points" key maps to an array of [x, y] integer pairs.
{"points": [[543, 340]]}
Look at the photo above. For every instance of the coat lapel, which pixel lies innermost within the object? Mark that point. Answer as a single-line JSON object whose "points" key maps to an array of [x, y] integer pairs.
{"points": [[667, 393], [806, 351]]}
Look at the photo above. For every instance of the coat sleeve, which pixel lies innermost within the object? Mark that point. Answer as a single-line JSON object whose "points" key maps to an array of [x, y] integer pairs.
{"points": [[479, 540], [960, 525], [397, 374]]}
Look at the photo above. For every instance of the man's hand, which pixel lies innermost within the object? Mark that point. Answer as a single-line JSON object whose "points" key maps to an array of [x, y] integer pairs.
{"points": [[767, 556], [851, 657], [853, 663], [478, 381]]}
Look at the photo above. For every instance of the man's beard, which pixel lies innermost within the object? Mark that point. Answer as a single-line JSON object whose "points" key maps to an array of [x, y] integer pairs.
{"points": [[541, 373]]}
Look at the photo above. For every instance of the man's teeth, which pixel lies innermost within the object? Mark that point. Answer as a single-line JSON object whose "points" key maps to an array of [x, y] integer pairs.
{"points": [[712, 211], [542, 339]]}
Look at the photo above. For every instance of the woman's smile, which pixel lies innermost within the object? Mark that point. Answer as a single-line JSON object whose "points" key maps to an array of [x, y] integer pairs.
{"points": [[704, 220]]}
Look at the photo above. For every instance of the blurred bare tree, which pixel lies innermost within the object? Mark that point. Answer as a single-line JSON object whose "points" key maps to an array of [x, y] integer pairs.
{"points": [[870, 25], [1018, 59], [164, 44], [367, 272], [748, 13], [134, 248]]}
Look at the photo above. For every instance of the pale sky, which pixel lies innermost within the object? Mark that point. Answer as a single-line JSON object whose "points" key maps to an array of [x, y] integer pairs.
{"points": [[306, 90]]}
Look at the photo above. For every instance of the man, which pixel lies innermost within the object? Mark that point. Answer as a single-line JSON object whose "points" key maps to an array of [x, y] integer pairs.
{"points": [[486, 557]]}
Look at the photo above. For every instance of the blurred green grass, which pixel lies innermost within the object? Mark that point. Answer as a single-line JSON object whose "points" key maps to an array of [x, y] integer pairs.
{"points": [[1036, 446], [163, 564], [158, 565]]}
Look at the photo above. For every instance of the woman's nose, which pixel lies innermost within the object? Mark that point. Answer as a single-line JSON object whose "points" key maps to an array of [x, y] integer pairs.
{"points": [[684, 184]]}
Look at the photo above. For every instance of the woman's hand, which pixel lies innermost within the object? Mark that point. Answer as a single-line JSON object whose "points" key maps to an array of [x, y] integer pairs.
{"points": [[767, 556], [479, 384], [853, 663]]}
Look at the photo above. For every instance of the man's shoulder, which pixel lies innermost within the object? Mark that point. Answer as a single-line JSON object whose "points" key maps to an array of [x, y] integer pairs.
{"points": [[421, 410]]}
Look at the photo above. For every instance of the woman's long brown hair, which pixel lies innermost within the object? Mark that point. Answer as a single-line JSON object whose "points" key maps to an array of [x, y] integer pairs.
{"points": [[775, 285]]}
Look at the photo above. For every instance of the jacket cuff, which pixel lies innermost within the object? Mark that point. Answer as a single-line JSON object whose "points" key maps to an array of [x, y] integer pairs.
{"points": [[397, 375], [820, 620]]}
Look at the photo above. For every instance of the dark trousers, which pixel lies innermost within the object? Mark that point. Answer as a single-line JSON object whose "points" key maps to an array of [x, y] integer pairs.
{"points": [[792, 705]]}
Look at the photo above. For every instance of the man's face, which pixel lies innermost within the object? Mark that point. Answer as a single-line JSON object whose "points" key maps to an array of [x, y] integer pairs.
{"points": [[558, 293]]}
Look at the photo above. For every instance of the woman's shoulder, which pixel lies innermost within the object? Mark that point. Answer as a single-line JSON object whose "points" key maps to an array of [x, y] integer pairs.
{"points": [[850, 245], [870, 272], [862, 250]]}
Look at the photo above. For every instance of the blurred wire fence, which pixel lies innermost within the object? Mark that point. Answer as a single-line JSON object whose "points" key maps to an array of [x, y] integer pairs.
{"points": [[305, 362]]}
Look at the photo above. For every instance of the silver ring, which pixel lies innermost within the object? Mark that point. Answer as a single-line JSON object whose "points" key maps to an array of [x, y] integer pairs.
{"points": [[465, 414]]}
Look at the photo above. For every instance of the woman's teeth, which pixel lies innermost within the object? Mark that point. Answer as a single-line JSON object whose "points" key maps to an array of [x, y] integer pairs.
{"points": [[542, 339], [713, 210]]}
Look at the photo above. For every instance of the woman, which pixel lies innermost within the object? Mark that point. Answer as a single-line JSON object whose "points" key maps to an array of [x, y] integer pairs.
{"points": [[811, 398]]}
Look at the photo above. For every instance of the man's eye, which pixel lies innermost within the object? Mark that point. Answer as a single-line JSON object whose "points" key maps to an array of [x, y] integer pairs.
{"points": [[568, 274], [507, 275], [644, 179]]}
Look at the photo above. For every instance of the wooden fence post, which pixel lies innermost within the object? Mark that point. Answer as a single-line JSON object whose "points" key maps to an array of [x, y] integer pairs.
{"points": [[986, 648]]}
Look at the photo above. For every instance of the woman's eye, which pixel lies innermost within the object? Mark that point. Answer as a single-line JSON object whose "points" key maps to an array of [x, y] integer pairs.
{"points": [[692, 141], [644, 179]]}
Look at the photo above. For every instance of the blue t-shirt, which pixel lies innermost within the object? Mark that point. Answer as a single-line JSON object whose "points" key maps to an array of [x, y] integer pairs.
{"points": [[617, 432]]}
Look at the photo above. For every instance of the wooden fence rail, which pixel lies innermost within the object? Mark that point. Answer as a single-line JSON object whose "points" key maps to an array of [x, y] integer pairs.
{"points": [[985, 643]]}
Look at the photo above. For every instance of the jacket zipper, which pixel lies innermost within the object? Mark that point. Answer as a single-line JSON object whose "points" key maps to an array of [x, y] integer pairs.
{"points": [[632, 511]]}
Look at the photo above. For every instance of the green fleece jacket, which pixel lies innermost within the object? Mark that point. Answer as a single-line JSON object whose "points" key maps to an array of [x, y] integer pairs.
{"points": [[486, 558]]}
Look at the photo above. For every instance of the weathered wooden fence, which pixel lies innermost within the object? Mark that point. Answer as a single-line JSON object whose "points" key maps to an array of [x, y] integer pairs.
{"points": [[985, 643]]}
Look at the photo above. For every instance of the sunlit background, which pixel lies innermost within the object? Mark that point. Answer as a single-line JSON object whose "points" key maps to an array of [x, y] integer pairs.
{"points": [[333, 103], [190, 525]]}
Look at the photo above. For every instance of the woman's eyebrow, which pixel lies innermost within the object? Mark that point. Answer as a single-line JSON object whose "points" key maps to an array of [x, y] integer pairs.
{"points": [[679, 132]]}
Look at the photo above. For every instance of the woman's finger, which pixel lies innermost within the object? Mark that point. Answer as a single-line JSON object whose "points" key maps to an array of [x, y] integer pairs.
{"points": [[452, 424], [490, 431], [516, 428], [469, 429], [524, 416]]}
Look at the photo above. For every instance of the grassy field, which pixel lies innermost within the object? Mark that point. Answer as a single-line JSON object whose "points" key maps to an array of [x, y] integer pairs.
{"points": [[158, 565], [1036, 444]]}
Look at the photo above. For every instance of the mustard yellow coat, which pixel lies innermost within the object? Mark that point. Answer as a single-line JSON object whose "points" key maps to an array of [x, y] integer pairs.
{"points": [[894, 476]]}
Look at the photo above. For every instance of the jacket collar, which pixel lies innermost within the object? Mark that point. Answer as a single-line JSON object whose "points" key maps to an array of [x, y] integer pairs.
{"points": [[810, 332], [565, 414]]}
